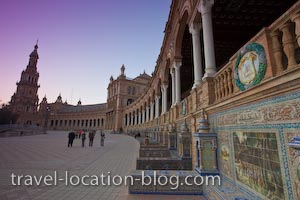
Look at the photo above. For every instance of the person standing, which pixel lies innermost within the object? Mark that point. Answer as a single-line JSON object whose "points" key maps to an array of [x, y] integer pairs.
{"points": [[71, 137], [102, 138], [83, 138], [91, 137]]}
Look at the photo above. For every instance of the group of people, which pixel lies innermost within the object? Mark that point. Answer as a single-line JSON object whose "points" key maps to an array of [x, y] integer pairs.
{"points": [[83, 134]]}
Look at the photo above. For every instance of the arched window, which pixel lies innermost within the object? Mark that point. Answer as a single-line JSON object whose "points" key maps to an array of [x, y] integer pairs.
{"points": [[129, 101]]}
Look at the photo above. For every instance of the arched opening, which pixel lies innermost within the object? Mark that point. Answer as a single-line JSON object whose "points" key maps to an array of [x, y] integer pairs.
{"points": [[126, 123], [187, 68], [184, 50], [129, 101]]}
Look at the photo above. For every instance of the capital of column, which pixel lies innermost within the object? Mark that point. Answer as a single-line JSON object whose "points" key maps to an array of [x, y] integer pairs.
{"points": [[164, 87], [172, 71], [195, 28], [177, 65], [205, 6]]}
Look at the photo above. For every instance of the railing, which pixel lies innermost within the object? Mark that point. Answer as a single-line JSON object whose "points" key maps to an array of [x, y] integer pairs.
{"points": [[284, 39], [281, 48]]}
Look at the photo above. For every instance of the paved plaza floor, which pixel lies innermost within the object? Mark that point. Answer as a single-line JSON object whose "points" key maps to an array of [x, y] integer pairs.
{"points": [[48, 154]]}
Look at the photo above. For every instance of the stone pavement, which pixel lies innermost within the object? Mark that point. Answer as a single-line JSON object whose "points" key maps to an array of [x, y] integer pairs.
{"points": [[45, 154]]}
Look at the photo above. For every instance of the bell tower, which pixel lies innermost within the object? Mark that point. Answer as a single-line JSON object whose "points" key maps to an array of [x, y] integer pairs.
{"points": [[24, 101]]}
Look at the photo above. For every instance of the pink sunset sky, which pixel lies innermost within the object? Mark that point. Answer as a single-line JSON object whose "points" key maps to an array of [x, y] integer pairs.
{"points": [[81, 44]]}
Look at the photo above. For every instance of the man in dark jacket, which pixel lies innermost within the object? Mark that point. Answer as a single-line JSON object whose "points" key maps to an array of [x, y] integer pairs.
{"points": [[83, 135], [91, 137], [71, 138]]}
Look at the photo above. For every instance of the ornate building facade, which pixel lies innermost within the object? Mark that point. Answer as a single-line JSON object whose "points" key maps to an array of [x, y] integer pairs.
{"points": [[62, 116], [228, 72]]}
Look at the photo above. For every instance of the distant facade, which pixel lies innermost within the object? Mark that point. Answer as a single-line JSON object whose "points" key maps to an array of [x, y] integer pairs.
{"points": [[60, 115]]}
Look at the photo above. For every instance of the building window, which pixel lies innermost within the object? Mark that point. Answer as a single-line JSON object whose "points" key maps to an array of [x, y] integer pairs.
{"points": [[129, 90], [129, 101], [133, 91]]}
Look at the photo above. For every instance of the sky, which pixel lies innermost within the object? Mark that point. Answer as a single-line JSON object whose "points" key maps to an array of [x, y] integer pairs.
{"points": [[81, 44]]}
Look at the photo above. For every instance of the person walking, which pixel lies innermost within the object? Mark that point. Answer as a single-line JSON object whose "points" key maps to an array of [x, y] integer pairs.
{"points": [[102, 138], [83, 138], [71, 137], [91, 137]]}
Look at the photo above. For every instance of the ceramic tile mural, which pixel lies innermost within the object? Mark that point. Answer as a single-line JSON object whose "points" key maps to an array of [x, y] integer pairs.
{"points": [[294, 160], [225, 157], [257, 163]]}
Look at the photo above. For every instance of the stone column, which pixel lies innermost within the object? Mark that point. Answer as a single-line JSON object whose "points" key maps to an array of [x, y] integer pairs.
{"points": [[143, 118], [177, 66], [151, 111], [147, 113], [208, 40], [195, 31], [127, 120], [136, 118], [172, 72], [157, 106], [132, 119], [140, 116], [164, 98]]}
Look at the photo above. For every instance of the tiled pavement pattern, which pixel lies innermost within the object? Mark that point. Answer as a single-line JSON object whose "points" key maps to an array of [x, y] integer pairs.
{"points": [[44, 154]]}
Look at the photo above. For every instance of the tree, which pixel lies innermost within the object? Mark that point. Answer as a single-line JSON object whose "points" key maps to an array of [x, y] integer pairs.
{"points": [[6, 115]]}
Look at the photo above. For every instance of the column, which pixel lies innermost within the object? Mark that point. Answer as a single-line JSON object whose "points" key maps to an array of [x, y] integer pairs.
{"points": [[164, 98], [177, 66], [143, 116], [172, 72], [136, 118], [147, 113], [127, 120], [140, 116], [151, 110], [157, 106], [208, 40], [195, 31], [132, 119]]}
